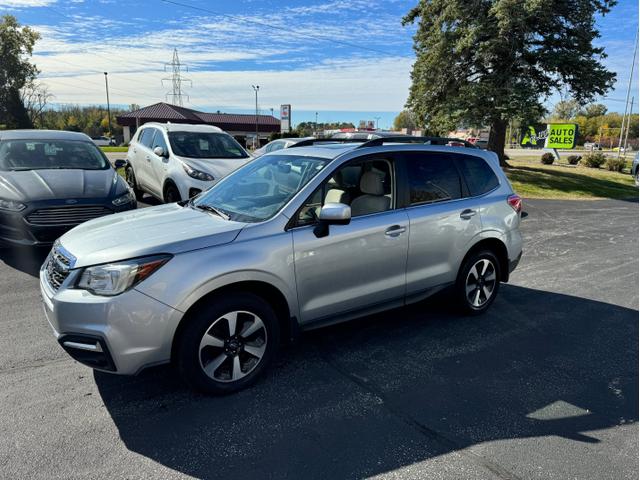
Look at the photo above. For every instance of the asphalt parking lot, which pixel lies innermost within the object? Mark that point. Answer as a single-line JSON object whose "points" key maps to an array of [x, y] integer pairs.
{"points": [[545, 386]]}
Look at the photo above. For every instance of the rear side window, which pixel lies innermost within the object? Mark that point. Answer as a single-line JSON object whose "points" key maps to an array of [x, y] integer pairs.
{"points": [[478, 175], [433, 177], [146, 136]]}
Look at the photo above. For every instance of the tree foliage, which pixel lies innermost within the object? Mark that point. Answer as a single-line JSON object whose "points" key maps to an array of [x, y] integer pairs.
{"points": [[489, 61], [306, 129], [565, 109], [16, 70], [405, 119]]}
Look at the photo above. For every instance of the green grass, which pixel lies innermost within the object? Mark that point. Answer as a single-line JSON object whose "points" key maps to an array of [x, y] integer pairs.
{"points": [[114, 149], [531, 179]]}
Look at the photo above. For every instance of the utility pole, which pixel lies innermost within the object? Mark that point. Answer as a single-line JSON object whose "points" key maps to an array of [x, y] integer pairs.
{"points": [[316, 125], [271, 111], [256, 88], [377, 119], [626, 135], [106, 84], [626, 103], [176, 79]]}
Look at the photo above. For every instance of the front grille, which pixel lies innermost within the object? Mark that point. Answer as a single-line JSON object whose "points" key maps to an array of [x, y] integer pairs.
{"points": [[57, 268], [66, 215]]}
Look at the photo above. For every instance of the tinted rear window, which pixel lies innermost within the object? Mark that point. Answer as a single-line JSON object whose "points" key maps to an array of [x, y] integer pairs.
{"points": [[479, 176], [433, 177]]}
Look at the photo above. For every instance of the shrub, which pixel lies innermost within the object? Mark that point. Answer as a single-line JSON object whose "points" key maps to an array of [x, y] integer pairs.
{"points": [[573, 159], [615, 164], [547, 158], [594, 159]]}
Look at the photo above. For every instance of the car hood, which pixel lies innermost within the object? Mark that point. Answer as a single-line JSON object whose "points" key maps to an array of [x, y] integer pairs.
{"points": [[217, 167], [163, 229], [32, 185]]}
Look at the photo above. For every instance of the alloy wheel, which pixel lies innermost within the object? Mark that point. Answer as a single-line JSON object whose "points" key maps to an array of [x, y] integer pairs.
{"points": [[481, 282], [233, 346]]}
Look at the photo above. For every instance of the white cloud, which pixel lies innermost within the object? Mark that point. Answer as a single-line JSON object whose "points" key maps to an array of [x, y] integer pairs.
{"points": [[25, 3]]}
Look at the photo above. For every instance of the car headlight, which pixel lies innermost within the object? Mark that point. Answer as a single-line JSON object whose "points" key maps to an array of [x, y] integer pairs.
{"points": [[197, 174], [128, 197], [11, 205], [115, 278]]}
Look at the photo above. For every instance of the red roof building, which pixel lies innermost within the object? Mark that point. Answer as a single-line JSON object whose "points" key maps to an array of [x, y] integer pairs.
{"points": [[239, 125]]}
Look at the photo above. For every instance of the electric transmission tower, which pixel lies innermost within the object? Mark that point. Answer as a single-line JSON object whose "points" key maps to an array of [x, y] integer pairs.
{"points": [[176, 79]]}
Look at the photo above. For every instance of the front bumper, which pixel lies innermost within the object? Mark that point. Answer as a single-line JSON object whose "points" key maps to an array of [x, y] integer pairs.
{"points": [[15, 229], [121, 334]]}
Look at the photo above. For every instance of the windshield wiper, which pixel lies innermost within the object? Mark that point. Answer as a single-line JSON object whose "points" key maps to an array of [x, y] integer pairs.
{"points": [[209, 208]]}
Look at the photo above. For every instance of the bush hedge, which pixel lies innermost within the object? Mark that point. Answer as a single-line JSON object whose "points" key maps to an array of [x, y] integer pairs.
{"points": [[615, 164], [547, 158], [573, 159], [594, 160]]}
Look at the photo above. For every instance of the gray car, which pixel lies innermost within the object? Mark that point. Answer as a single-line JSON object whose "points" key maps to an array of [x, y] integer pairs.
{"points": [[50, 181], [292, 241], [279, 144]]}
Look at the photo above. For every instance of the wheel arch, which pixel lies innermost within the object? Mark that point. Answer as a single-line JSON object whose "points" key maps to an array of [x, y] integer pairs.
{"points": [[267, 291], [498, 247]]}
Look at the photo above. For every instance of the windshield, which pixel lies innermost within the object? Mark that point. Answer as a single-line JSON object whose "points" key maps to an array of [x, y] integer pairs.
{"points": [[261, 188], [205, 145], [48, 154]]}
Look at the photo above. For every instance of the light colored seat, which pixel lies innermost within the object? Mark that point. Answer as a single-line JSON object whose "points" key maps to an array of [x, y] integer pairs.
{"points": [[373, 199], [336, 193]]}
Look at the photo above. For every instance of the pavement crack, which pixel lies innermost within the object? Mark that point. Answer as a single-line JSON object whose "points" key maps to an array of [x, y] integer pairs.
{"points": [[371, 388]]}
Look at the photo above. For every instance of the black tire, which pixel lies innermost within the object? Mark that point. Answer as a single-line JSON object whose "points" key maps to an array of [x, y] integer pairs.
{"points": [[171, 193], [209, 319], [130, 177], [475, 302]]}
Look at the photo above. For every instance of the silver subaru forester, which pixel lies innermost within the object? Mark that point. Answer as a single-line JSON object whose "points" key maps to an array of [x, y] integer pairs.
{"points": [[292, 241]]}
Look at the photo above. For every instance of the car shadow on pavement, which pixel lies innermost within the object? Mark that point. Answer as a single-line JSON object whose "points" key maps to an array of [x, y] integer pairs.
{"points": [[25, 259], [390, 390]]}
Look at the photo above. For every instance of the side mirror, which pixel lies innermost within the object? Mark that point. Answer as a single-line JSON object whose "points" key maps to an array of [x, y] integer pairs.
{"points": [[120, 163], [159, 151], [332, 214]]}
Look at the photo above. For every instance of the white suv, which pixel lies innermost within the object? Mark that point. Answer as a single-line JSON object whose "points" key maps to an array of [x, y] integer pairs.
{"points": [[174, 162]]}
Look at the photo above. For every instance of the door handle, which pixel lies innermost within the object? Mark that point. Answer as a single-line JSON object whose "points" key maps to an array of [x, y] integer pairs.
{"points": [[467, 214], [395, 231]]}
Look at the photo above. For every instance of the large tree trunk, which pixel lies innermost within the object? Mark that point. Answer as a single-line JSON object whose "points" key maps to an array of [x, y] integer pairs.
{"points": [[497, 138]]}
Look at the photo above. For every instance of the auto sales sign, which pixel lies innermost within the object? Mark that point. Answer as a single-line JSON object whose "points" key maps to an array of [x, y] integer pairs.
{"points": [[553, 135]]}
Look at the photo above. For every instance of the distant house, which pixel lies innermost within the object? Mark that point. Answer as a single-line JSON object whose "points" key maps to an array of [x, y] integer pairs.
{"points": [[241, 126]]}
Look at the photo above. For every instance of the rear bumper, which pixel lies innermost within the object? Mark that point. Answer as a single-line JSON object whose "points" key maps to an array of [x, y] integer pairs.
{"points": [[514, 263]]}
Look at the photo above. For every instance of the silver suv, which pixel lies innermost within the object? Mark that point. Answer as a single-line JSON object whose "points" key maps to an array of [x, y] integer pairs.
{"points": [[292, 241]]}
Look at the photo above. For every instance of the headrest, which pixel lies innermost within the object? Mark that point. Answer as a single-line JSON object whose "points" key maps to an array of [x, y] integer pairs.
{"points": [[371, 184]]}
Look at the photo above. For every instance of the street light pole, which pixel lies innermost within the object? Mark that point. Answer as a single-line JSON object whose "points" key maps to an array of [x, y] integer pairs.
{"points": [[316, 125], [626, 104], [255, 89], [377, 120], [106, 84]]}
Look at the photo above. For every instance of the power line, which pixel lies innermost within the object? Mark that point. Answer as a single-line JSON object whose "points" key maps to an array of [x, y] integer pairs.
{"points": [[272, 26], [176, 79]]}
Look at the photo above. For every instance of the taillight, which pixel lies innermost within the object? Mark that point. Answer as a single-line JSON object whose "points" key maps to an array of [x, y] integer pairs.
{"points": [[516, 202]]}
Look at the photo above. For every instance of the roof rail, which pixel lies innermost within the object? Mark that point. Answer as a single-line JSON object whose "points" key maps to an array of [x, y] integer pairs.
{"points": [[377, 142], [314, 141]]}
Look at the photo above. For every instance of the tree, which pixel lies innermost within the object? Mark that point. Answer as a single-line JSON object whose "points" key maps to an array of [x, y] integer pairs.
{"points": [[35, 98], [489, 61], [16, 45], [565, 110], [594, 110], [405, 119]]}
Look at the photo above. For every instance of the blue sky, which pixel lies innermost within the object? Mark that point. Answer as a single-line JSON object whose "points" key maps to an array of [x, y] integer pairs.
{"points": [[347, 60]]}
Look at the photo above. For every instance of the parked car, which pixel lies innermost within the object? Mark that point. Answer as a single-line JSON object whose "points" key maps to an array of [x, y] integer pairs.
{"points": [[103, 141], [592, 146], [294, 240], [175, 162], [278, 144], [51, 181], [634, 169]]}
